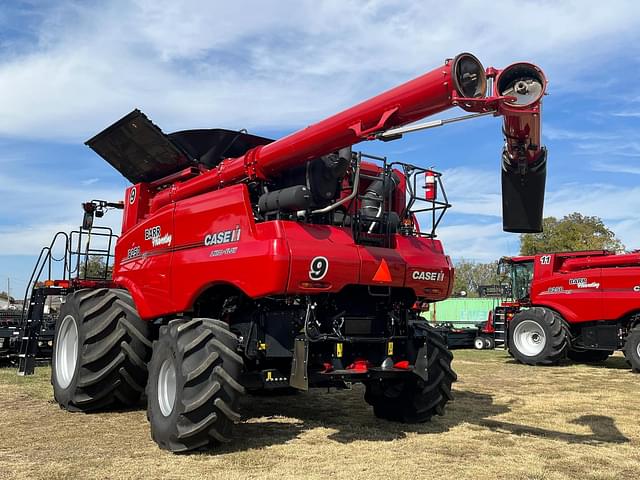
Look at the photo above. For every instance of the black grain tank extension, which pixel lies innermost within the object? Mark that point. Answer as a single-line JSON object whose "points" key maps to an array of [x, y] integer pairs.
{"points": [[141, 152]]}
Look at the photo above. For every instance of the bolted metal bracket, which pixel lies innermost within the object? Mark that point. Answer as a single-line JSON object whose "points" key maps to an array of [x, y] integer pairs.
{"points": [[421, 366], [299, 376]]}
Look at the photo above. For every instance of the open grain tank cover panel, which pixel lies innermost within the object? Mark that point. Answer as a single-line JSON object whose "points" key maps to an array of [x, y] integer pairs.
{"points": [[139, 150]]}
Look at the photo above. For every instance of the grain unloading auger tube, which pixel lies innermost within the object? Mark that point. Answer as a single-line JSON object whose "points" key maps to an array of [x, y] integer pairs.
{"points": [[142, 153]]}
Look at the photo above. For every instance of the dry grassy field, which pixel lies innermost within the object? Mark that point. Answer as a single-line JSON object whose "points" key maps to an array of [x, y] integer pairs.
{"points": [[507, 421]]}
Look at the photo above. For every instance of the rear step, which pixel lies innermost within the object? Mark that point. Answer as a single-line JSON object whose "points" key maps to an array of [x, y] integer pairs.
{"points": [[500, 326], [31, 332]]}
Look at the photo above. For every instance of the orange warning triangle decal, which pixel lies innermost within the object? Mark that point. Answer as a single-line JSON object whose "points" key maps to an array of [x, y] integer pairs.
{"points": [[383, 274]]}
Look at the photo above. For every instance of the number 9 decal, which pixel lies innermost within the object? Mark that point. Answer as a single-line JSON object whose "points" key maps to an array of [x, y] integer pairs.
{"points": [[318, 268]]}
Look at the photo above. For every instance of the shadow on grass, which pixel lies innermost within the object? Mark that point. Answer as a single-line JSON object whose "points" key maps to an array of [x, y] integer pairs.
{"points": [[614, 363], [618, 363], [281, 419], [603, 430]]}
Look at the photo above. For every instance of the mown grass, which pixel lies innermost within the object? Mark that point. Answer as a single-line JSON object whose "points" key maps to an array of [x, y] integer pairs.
{"points": [[507, 421]]}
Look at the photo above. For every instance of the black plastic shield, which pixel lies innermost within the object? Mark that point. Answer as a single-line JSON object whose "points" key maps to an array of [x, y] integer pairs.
{"points": [[138, 149], [523, 197], [211, 146]]}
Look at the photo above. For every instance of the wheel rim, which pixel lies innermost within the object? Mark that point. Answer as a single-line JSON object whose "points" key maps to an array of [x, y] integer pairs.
{"points": [[66, 351], [479, 343], [638, 349], [167, 387], [529, 338]]}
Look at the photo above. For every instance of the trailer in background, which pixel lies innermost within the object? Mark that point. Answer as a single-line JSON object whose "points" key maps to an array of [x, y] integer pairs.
{"points": [[463, 321]]}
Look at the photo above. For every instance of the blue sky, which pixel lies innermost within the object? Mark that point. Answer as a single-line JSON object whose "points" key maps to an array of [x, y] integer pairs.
{"points": [[68, 69]]}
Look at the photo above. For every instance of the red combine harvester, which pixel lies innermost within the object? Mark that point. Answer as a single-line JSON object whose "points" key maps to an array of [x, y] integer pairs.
{"points": [[247, 264], [583, 305]]}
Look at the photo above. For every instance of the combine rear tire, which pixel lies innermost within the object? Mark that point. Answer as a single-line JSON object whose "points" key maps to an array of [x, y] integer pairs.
{"points": [[193, 387], [538, 336], [589, 356], [100, 351], [632, 348], [412, 400]]}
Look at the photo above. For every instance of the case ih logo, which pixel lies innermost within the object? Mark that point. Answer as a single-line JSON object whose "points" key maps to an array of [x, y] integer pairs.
{"points": [[226, 236], [636, 288], [428, 276]]}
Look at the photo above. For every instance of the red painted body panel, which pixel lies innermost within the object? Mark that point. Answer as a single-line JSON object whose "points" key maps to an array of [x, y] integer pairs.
{"points": [[257, 262], [370, 261], [144, 269], [422, 254], [136, 205], [587, 286], [267, 258], [306, 242]]}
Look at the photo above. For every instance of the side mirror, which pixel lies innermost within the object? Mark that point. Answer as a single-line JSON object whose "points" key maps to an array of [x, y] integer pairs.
{"points": [[87, 220], [502, 270]]}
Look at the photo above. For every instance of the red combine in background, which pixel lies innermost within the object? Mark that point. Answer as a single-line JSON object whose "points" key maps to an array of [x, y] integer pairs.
{"points": [[247, 264], [583, 305]]}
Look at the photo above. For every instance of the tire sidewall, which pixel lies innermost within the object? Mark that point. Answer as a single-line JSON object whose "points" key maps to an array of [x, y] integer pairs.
{"points": [[64, 396], [409, 399], [631, 349], [530, 315], [164, 428]]}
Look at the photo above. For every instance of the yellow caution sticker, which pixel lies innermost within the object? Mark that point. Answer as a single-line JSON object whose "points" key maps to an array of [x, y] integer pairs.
{"points": [[338, 350], [390, 348]]}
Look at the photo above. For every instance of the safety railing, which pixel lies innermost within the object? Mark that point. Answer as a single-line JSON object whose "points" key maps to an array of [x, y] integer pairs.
{"points": [[71, 256], [381, 218]]}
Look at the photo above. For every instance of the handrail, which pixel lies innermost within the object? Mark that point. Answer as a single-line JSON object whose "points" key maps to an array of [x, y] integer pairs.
{"points": [[46, 259]]}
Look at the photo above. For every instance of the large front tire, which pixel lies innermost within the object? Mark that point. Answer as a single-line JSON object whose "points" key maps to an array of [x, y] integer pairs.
{"points": [[193, 387], [632, 349], [413, 400], [538, 336], [100, 352]]}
